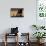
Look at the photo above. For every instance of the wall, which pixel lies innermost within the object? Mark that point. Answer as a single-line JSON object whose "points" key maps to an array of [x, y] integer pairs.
{"points": [[24, 23]]}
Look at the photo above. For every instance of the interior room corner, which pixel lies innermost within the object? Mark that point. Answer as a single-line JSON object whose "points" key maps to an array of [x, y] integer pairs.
{"points": [[22, 22]]}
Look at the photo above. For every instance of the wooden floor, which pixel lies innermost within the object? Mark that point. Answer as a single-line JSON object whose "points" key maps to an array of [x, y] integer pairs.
{"points": [[13, 44]]}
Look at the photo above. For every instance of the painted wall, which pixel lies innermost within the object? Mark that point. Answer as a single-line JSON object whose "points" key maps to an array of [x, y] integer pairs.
{"points": [[24, 24]]}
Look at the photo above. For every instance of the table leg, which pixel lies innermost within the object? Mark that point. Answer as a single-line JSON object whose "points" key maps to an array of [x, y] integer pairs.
{"points": [[5, 40]]}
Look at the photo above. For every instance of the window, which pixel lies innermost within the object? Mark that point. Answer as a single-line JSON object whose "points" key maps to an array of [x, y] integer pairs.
{"points": [[41, 8]]}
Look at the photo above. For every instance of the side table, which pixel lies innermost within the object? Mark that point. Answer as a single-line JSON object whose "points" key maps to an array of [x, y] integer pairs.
{"points": [[8, 34]]}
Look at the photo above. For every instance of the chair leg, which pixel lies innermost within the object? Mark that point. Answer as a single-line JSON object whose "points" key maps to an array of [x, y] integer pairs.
{"points": [[17, 39], [5, 43], [5, 40]]}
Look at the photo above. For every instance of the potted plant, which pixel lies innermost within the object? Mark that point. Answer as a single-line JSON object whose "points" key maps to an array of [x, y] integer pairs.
{"points": [[35, 26], [38, 27], [39, 35], [42, 27]]}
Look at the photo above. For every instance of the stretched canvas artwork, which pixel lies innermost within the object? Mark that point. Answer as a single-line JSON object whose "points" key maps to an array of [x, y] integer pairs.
{"points": [[16, 12]]}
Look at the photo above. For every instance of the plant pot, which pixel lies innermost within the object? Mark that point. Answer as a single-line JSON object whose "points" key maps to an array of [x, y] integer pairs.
{"points": [[40, 41]]}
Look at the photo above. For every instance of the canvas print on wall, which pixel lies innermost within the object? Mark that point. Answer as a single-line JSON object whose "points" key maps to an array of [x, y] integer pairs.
{"points": [[16, 12]]}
